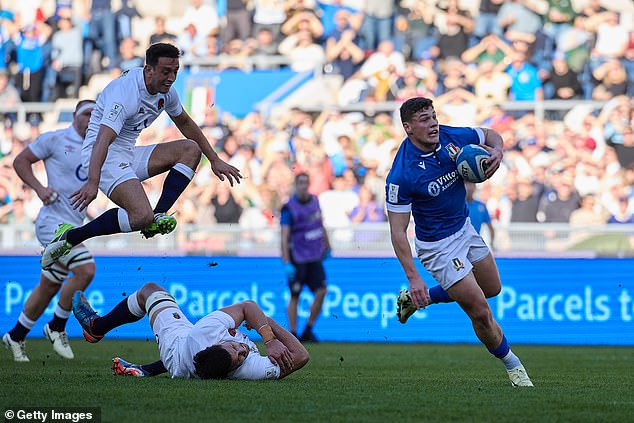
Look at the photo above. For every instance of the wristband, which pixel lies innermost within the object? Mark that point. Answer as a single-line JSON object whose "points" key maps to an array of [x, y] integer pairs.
{"points": [[266, 333]]}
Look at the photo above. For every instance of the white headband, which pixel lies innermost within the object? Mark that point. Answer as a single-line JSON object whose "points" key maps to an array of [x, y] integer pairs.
{"points": [[89, 105]]}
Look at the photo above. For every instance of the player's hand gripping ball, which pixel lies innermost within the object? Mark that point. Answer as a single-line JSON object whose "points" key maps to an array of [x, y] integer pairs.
{"points": [[471, 163]]}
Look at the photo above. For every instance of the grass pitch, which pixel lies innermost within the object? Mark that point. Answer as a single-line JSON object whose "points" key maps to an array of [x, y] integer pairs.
{"points": [[343, 382]]}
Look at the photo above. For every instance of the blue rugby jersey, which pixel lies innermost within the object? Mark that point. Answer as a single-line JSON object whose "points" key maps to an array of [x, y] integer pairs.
{"points": [[428, 184]]}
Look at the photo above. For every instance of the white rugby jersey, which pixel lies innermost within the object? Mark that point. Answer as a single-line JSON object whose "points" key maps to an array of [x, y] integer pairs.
{"points": [[126, 106], [61, 152], [216, 328]]}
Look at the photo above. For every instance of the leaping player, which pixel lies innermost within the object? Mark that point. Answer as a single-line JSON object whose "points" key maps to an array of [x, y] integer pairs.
{"points": [[115, 165]]}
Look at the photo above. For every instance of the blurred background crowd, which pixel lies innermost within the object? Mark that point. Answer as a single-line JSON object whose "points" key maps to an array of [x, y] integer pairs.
{"points": [[571, 164]]}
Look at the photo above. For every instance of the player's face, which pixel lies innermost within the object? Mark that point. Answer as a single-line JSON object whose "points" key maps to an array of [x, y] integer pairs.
{"points": [[301, 187], [81, 120], [422, 128], [238, 353], [160, 78]]}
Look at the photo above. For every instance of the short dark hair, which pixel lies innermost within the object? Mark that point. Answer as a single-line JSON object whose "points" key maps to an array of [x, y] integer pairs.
{"points": [[413, 106], [155, 51], [212, 363]]}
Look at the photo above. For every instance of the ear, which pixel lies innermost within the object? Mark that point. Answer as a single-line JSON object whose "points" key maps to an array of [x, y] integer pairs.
{"points": [[408, 129]]}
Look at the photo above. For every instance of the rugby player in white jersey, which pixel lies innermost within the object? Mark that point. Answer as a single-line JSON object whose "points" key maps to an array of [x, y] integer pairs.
{"points": [[115, 165], [61, 153], [212, 348]]}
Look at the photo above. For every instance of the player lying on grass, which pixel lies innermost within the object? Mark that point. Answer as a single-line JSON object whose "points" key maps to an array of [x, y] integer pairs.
{"points": [[213, 348]]}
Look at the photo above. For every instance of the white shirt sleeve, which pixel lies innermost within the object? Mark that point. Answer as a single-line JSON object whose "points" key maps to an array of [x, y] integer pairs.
{"points": [[118, 105], [256, 367]]}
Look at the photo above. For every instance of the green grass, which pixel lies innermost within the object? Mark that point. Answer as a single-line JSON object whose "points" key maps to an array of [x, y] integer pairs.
{"points": [[343, 382]]}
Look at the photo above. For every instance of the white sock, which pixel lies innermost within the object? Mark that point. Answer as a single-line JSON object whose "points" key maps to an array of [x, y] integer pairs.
{"points": [[61, 313], [133, 305]]}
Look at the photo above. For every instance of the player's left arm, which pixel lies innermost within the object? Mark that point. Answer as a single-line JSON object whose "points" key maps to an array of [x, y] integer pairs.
{"points": [[494, 144], [191, 130]]}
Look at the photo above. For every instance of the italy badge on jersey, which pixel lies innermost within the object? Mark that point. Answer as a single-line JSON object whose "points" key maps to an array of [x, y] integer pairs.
{"points": [[452, 150]]}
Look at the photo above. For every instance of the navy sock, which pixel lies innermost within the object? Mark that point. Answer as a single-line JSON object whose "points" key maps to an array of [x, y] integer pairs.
{"points": [[504, 353], [174, 185], [119, 315], [439, 295], [154, 369], [105, 224], [19, 332], [502, 349], [58, 324]]}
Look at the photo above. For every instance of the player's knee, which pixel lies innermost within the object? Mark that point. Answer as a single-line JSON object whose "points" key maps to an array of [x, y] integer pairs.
{"points": [[190, 150], [139, 220], [85, 272], [146, 290], [493, 291]]}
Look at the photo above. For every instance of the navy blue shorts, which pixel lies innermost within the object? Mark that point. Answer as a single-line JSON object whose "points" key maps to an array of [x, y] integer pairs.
{"points": [[311, 274]]}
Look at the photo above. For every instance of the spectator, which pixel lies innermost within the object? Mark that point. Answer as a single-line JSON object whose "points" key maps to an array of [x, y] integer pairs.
{"points": [[300, 17], [414, 31], [30, 59], [559, 17], [563, 82], [160, 34], [624, 215], [123, 19], [269, 15], [590, 213], [491, 84], [524, 201], [226, 207], [192, 43], [611, 39], [490, 48], [66, 61], [203, 15], [238, 22], [521, 18], [454, 26], [525, 83], [127, 59], [368, 210], [611, 80], [342, 53], [101, 35], [9, 97], [377, 23], [265, 44], [486, 22], [557, 205], [329, 12], [303, 53]]}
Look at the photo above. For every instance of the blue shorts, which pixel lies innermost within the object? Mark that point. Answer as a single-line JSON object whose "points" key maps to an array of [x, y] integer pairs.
{"points": [[311, 274]]}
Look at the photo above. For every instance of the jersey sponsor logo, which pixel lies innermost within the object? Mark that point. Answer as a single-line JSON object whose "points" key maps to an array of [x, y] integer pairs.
{"points": [[81, 174], [392, 195], [452, 150], [421, 165], [114, 112], [433, 189], [161, 103], [457, 264]]}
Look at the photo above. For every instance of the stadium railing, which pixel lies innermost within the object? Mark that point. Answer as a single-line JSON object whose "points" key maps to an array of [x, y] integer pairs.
{"points": [[363, 240]]}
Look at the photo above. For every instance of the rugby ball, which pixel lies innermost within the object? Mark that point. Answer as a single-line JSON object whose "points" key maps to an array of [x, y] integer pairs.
{"points": [[471, 163]]}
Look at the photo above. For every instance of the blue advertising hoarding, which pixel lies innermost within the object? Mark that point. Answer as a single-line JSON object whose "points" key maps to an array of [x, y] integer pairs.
{"points": [[543, 301]]}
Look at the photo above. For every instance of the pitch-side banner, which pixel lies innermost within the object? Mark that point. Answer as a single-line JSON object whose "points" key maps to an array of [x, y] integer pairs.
{"points": [[543, 301]]}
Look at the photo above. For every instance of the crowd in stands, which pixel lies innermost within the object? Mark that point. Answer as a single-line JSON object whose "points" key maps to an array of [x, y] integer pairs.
{"points": [[575, 166]]}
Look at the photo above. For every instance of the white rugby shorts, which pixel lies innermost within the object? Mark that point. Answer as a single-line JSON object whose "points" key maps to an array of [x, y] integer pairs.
{"points": [[451, 259], [121, 165]]}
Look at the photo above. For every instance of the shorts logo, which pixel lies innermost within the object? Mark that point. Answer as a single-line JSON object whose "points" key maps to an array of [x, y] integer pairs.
{"points": [[176, 315], [124, 165], [452, 150], [114, 112], [457, 264], [433, 189], [393, 193]]}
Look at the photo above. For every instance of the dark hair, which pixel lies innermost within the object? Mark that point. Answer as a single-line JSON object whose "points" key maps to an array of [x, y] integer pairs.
{"points": [[301, 175], [212, 363], [155, 51], [413, 106]]}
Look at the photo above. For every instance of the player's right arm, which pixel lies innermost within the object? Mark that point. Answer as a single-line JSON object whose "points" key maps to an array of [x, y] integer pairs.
{"points": [[398, 235], [23, 168], [299, 354], [88, 192]]}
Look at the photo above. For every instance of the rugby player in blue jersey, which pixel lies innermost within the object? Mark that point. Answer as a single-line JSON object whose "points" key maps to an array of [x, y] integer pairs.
{"points": [[425, 183]]}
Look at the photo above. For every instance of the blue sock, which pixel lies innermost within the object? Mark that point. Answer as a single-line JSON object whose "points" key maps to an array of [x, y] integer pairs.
{"points": [[119, 315], [504, 353], [105, 224], [174, 185], [155, 368], [439, 295]]}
